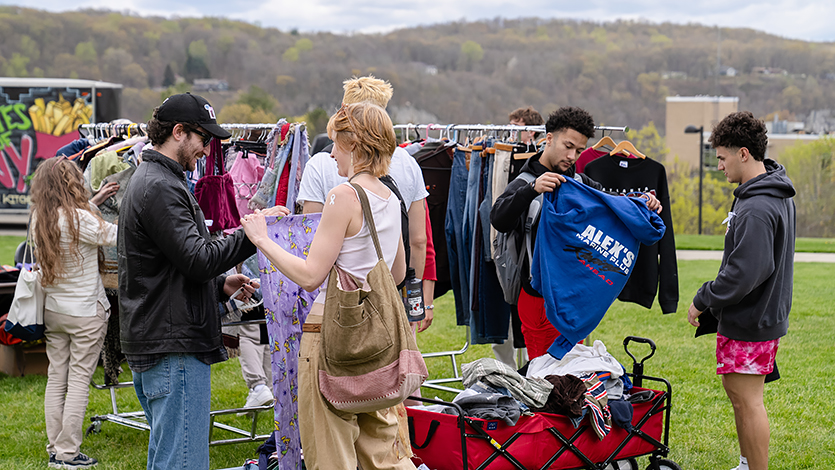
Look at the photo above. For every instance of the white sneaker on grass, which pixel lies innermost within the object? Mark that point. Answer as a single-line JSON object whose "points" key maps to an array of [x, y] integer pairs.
{"points": [[258, 396]]}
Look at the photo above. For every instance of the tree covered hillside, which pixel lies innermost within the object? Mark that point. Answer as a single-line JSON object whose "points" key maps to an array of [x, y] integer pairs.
{"points": [[463, 72]]}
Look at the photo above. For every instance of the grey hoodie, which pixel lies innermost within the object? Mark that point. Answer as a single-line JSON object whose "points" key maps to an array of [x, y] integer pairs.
{"points": [[752, 294]]}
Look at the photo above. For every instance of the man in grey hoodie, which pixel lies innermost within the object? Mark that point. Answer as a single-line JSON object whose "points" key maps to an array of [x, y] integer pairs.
{"points": [[752, 294]]}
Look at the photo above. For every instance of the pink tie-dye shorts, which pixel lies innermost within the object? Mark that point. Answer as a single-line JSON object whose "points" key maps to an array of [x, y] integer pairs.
{"points": [[745, 357]]}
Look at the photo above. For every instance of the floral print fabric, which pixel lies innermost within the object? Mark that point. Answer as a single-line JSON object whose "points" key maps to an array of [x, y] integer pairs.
{"points": [[286, 306]]}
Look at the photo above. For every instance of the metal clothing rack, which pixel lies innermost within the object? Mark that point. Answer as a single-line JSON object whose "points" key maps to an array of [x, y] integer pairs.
{"points": [[102, 130], [452, 131]]}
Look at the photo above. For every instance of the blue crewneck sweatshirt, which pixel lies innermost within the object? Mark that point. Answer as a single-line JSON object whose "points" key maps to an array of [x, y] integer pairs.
{"points": [[587, 244]]}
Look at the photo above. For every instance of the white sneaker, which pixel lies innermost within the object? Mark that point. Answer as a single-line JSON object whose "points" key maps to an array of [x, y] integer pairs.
{"points": [[258, 396], [743, 464]]}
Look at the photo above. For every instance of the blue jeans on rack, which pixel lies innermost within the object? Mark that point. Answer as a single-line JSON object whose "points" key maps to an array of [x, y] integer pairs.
{"points": [[457, 250], [490, 315], [470, 214], [176, 397]]}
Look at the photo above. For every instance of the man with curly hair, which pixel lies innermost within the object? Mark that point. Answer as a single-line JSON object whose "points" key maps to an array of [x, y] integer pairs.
{"points": [[752, 294], [526, 117], [567, 132]]}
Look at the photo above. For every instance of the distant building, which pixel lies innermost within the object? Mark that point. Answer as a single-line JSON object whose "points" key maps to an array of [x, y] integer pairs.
{"points": [[785, 127], [728, 71], [768, 71], [777, 143], [820, 121], [426, 68], [699, 111], [210, 84]]}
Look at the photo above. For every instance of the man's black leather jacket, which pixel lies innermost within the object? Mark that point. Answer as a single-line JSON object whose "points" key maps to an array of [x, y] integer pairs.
{"points": [[170, 271]]}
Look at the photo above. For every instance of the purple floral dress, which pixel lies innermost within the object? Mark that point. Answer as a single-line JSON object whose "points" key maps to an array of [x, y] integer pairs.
{"points": [[286, 306]]}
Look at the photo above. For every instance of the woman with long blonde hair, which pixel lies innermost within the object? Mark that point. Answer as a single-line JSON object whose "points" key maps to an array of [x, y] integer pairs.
{"points": [[363, 143], [67, 232]]}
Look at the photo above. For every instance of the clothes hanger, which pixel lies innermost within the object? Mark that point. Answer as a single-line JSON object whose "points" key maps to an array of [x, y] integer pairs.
{"points": [[523, 156], [627, 146], [606, 140]]}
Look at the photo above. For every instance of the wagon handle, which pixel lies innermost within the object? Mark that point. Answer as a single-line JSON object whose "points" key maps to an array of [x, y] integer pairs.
{"points": [[638, 367]]}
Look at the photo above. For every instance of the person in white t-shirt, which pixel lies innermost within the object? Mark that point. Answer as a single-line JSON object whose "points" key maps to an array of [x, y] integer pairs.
{"points": [[321, 175]]}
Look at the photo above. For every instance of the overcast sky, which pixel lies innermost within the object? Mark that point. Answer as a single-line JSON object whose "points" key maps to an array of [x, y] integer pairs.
{"points": [[800, 19]]}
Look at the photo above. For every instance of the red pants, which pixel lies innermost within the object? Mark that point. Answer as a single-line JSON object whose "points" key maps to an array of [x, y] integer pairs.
{"points": [[539, 333]]}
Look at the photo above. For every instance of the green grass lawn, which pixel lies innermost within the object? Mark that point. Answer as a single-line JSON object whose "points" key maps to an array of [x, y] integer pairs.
{"points": [[8, 245], [716, 242], [702, 434]]}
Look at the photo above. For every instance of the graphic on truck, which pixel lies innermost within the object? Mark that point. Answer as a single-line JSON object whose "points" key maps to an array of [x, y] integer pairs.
{"points": [[32, 128]]}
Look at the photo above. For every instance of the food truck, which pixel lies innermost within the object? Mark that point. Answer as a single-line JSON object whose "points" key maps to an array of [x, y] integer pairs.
{"points": [[38, 116]]}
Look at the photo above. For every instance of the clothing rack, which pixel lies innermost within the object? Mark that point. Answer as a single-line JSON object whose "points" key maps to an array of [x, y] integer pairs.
{"points": [[492, 127], [452, 131], [106, 129]]}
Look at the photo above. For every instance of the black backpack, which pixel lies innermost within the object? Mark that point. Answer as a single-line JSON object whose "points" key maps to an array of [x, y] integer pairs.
{"points": [[404, 218]]}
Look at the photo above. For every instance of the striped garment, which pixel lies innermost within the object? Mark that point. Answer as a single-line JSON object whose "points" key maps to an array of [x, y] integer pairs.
{"points": [[596, 401]]}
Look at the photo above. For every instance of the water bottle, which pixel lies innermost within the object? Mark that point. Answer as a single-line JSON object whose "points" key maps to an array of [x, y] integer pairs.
{"points": [[413, 296]]}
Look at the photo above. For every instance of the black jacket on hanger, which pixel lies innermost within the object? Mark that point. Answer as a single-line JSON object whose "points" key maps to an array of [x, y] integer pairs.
{"points": [[656, 270]]}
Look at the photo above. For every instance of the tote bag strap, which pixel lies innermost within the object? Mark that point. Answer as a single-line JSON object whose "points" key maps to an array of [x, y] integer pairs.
{"points": [[28, 253], [369, 218], [209, 169], [220, 164], [216, 167]]}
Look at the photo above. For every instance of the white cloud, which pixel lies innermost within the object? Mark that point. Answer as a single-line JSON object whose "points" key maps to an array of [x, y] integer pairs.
{"points": [[809, 20]]}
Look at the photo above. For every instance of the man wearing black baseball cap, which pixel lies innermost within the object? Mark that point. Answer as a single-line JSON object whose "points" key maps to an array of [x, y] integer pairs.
{"points": [[171, 278]]}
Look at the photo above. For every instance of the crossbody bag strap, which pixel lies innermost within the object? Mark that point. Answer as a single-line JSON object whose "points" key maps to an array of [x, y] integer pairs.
{"points": [[369, 217]]}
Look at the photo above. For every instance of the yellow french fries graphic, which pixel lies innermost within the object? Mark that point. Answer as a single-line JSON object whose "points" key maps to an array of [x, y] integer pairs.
{"points": [[59, 117]]}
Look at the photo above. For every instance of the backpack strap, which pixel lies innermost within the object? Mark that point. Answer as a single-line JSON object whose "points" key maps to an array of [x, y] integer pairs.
{"points": [[531, 218], [404, 214], [369, 217]]}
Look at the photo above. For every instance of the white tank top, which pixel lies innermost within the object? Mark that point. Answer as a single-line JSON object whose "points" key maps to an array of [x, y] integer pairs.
{"points": [[358, 255]]}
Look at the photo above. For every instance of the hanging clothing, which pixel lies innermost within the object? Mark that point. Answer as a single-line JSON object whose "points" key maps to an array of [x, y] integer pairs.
{"points": [[500, 178], [457, 252], [298, 162], [246, 172], [656, 268], [73, 148], [489, 313], [105, 164], [286, 306], [430, 271], [591, 240], [435, 160]]}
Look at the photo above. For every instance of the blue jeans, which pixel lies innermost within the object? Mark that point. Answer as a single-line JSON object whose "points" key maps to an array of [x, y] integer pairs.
{"points": [[457, 251], [175, 395], [493, 317]]}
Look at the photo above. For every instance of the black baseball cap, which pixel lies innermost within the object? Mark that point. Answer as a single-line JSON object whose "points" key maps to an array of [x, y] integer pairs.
{"points": [[186, 107]]}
